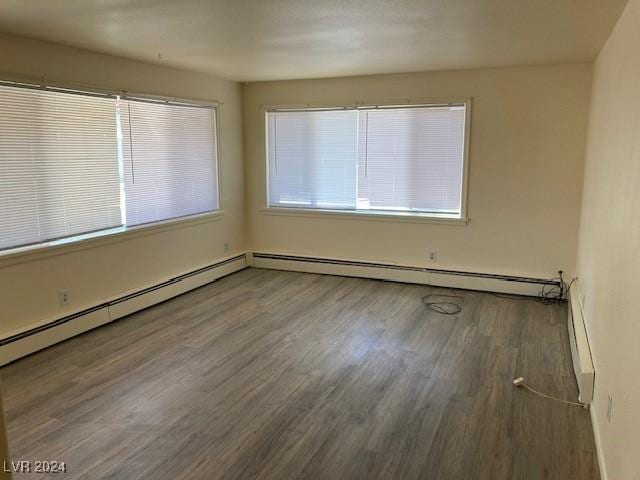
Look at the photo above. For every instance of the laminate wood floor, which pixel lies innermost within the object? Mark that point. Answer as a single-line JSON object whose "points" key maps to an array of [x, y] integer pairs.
{"points": [[283, 375]]}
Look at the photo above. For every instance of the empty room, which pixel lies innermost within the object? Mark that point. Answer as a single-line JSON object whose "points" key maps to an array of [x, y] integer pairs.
{"points": [[294, 239]]}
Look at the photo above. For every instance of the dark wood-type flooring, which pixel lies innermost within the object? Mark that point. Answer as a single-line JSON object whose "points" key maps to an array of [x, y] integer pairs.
{"points": [[283, 375]]}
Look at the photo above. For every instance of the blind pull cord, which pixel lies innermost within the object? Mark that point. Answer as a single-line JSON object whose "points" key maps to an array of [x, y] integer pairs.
{"points": [[366, 144], [275, 140], [133, 175]]}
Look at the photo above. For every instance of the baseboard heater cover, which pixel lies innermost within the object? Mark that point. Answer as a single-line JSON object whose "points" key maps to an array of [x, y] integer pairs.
{"points": [[403, 273], [580, 350], [49, 333]]}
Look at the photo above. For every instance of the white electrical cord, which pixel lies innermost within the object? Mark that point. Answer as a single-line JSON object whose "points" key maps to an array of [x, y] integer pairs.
{"points": [[519, 383]]}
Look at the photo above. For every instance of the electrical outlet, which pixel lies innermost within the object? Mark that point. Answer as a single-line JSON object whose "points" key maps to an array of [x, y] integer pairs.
{"points": [[63, 295], [433, 256], [226, 247], [609, 407]]}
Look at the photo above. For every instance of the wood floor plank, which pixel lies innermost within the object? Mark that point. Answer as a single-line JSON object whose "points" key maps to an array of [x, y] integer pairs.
{"points": [[272, 375]]}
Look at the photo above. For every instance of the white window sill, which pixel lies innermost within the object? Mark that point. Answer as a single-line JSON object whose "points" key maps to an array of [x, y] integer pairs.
{"points": [[101, 237], [380, 216]]}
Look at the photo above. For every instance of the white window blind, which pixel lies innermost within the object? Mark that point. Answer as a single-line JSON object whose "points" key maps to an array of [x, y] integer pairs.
{"points": [[408, 159], [412, 159], [59, 171], [169, 160], [311, 158], [73, 162]]}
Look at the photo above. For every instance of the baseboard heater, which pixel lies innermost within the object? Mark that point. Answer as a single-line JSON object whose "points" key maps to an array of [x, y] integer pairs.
{"points": [[48, 333], [580, 350], [404, 273]]}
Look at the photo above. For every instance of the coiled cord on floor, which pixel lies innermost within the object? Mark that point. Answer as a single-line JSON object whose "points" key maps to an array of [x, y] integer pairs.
{"points": [[443, 308]]}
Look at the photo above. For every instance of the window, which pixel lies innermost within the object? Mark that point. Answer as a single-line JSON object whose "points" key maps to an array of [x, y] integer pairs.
{"points": [[169, 160], [77, 162], [370, 159]]}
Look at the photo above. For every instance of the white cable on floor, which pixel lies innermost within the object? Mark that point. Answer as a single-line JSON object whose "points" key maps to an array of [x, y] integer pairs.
{"points": [[519, 383]]}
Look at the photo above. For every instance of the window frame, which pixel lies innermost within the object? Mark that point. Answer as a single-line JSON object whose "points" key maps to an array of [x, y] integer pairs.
{"points": [[98, 237], [378, 215]]}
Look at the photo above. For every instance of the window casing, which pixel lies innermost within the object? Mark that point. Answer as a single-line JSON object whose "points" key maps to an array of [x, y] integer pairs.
{"points": [[407, 159], [82, 164]]}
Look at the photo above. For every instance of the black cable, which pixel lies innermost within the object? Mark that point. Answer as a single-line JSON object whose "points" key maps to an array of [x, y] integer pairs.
{"points": [[549, 294], [443, 308], [557, 292]]}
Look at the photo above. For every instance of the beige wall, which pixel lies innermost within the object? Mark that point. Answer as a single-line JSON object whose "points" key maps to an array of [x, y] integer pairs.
{"points": [[609, 245], [525, 175], [29, 285]]}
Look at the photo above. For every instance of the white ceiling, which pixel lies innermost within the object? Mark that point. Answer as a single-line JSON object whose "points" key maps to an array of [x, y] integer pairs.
{"points": [[285, 39]]}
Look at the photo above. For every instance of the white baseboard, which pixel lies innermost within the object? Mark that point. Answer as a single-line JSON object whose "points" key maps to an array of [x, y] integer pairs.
{"points": [[580, 350], [44, 334], [132, 303], [398, 273], [598, 442], [50, 336]]}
